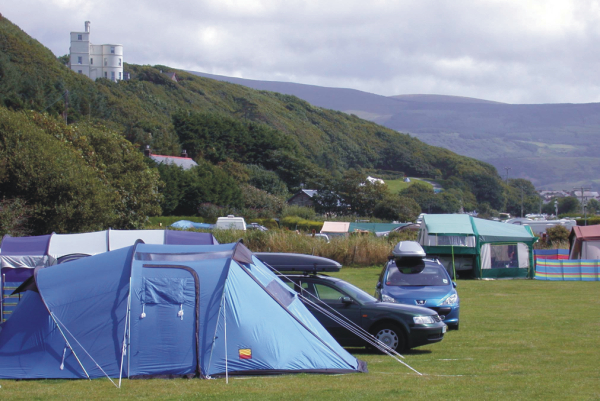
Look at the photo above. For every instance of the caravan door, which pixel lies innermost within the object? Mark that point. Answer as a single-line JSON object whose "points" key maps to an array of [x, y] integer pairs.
{"points": [[164, 322]]}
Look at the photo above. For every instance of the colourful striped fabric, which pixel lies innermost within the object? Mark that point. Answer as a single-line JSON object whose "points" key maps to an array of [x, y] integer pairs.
{"points": [[567, 270], [551, 254]]}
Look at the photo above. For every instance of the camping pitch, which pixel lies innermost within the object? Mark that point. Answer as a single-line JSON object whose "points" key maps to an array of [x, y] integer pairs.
{"points": [[165, 311], [482, 248]]}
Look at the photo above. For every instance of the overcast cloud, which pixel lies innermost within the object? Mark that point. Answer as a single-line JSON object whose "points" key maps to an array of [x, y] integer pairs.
{"points": [[510, 51]]}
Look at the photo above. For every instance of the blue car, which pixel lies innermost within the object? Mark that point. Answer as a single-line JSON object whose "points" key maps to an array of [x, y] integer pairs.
{"points": [[409, 278]]}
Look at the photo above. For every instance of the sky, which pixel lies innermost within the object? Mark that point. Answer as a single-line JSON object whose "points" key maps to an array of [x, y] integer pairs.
{"points": [[509, 51]]}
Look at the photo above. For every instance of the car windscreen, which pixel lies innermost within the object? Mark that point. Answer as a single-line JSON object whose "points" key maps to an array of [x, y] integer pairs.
{"points": [[355, 292], [417, 274]]}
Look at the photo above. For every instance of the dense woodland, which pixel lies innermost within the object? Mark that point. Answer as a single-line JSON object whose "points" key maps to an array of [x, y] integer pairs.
{"points": [[71, 160]]}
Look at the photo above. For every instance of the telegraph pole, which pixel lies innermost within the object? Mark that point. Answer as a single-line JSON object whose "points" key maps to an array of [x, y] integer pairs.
{"points": [[507, 168], [582, 189]]}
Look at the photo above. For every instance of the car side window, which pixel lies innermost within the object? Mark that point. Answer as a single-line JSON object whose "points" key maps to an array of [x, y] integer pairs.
{"points": [[326, 293], [307, 287]]}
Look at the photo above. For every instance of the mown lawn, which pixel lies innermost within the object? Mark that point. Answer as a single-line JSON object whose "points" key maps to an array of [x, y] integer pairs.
{"points": [[395, 186], [519, 339]]}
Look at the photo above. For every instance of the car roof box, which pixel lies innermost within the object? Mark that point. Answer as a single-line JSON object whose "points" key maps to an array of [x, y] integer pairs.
{"points": [[408, 249], [298, 262]]}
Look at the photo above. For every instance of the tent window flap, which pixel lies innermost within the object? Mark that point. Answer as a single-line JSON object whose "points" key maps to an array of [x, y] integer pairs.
{"points": [[164, 290]]}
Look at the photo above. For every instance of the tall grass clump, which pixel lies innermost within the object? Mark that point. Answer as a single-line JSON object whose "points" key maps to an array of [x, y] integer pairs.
{"points": [[359, 250], [298, 223], [307, 213]]}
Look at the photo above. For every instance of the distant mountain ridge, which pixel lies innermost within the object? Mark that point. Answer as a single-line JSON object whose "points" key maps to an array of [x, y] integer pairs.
{"points": [[556, 146]]}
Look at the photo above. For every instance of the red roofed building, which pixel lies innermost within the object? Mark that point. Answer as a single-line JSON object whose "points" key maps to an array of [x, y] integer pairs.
{"points": [[182, 161]]}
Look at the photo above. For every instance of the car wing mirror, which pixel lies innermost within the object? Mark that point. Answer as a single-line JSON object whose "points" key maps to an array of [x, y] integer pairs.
{"points": [[346, 300], [378, 284], [454, 284]]}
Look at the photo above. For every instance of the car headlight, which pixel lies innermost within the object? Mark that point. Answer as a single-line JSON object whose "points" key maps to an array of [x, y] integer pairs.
{"points": [[451, 300], [423, 319], [387, 298]]}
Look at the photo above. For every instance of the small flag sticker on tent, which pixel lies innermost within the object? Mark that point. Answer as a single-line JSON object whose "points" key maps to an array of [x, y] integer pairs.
{"points": [[245, 353]]}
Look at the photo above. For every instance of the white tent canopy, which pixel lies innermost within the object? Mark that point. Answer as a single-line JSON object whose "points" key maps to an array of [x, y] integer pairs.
{"points": [[48, 249]]}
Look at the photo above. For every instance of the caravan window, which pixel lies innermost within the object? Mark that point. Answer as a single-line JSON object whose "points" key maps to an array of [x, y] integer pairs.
{"points": [[450, 240], [504, 256]]}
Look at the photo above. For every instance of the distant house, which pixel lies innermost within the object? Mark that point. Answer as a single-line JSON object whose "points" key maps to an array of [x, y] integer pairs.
{"points": [[182, 161], [172, 76], [549, 195], [303, 198], [586, 194]]}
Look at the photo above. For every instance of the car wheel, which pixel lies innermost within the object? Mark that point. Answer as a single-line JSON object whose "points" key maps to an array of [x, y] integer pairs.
{"points": [[391, 335]]}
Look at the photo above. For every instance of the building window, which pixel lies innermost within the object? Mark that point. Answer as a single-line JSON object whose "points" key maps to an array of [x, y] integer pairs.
{"points": [[112, 50], [79, 60], [80, 71], [92, 61], [112, 75], [119, 62], [105, 62], [120, 77], [79, 37], [105, 74]]}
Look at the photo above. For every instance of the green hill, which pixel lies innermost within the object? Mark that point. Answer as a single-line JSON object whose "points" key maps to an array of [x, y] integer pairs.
{"points": [[224, 122]]}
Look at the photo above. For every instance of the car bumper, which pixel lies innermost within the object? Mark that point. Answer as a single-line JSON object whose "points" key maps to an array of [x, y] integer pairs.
{"points": [[427, 334], [449, 314]]}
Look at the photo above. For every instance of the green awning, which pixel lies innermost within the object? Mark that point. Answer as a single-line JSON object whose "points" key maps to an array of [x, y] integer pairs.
{"points": [[448, 224], [494, 231]]}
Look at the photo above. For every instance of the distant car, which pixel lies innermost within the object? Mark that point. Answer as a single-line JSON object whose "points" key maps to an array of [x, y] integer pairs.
{"points": [[409, 278], [323, 237], [256, 226], [400, 327]]}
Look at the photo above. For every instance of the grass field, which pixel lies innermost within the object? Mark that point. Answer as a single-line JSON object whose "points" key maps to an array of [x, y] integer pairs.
{"points": [[518, 339], [395, 186]]}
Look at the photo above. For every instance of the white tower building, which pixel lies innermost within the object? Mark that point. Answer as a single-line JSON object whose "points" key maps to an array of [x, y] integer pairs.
{"points": [[95, 61]]}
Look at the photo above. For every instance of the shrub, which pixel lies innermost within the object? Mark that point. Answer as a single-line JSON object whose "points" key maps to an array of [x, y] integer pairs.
{"points": [[557, 234], [298, 223], [406, 235], [307, 213], [13, 217], [590, 221]]}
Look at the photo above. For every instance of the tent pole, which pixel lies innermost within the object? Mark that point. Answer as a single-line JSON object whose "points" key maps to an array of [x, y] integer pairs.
{"points": [[2, 297], [216, 328], [453, 266], [225, 323], [129, 336], [124, 345]]}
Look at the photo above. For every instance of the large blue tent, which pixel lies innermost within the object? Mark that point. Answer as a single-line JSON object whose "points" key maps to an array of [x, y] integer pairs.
{"points": [[165, 311]]}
